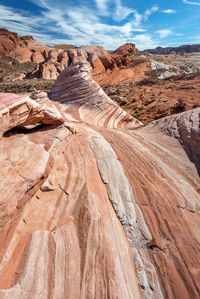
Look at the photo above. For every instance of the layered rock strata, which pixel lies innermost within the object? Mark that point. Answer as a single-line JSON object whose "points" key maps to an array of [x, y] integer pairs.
{"points": [[100, 206], [84, 100]]}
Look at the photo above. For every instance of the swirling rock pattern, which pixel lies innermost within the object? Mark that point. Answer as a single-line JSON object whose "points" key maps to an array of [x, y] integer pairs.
{"points": [[84, 100], [99, 206]]}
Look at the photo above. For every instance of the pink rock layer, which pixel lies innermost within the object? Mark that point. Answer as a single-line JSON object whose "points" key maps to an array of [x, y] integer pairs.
{"points": [[84, 100], [89, 209], [21, 111]]}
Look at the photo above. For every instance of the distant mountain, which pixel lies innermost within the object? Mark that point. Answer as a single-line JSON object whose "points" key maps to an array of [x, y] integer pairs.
{"points": [[174, 50], [65, 47]]}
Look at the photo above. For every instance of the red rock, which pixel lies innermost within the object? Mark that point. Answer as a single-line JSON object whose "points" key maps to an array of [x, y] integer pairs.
{"points": [[17, 111], [99, 110], [107, 68], [48, 70], [126, 50], [8, 41], [91, 209], [37, 57], [29, 49]]}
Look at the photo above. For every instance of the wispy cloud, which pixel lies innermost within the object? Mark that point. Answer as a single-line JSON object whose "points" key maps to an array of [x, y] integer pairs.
{"points": [[191, 2], [169, 11], [102, 6], [164, 33], [150, 11], [73, 27], [121, 12]]}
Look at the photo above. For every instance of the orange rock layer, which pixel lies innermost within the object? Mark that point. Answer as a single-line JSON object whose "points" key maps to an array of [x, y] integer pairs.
{"points": [[96, 205]]}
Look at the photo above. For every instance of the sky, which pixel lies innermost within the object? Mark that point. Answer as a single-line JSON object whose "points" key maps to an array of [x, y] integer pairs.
{"points": [[108, 23]]}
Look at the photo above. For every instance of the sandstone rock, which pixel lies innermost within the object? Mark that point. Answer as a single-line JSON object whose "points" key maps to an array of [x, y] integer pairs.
{"points": [[17, 111], [126, 50], [107, 68], [8, 41], [29, 50], [121, 219], [22, 54], [48, 70], [184, 127], [37, 57], [75, 89]]}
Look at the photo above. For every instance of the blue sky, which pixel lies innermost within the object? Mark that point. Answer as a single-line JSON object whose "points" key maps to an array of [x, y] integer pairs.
{"points": [[109, 23]]}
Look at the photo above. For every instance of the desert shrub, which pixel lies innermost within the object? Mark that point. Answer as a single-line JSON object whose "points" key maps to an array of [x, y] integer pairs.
{"points": [[146, 81], [181, 105], [112, 93], [135, 115], [133, 100], [187, 87]]}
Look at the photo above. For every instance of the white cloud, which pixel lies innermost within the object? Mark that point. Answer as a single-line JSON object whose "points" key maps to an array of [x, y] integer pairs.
{"points": [[150, 11], [164, 33], [169, 11], [121, 12], [137, 19], [144, 41], [78, 26], [191, 2], [102, 7]]}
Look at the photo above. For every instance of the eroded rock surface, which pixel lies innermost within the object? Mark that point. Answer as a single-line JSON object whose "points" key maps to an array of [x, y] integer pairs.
{"points": [[21, 111], [185, 128], [84, 100], [100, 206], [8, 41]]}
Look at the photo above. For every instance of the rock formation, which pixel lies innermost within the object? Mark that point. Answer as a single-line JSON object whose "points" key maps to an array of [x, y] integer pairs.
{"points": [[93, 105], [8, 41], [99, 206], [16, 111], [119, 67]]}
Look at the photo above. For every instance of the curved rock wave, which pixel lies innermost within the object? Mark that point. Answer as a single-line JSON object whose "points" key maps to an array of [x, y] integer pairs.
{"points": [[89, 209], [84, 100]]}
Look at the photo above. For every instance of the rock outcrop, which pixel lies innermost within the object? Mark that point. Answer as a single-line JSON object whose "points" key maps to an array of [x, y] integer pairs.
{"points": [[119, 67], [8, 41], [84, 100], [127, 50], [22, 111], [185, 128], [99, 206]]}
